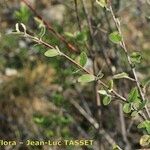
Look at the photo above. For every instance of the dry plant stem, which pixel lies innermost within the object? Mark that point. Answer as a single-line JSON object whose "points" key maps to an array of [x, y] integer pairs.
{"points": [[40, 41], [122, 117], [88, 19], [77, 14], [148, 2], [123, 127], [123, 45], [96, 94], [50, 28], [93, 122], [85, 104]]}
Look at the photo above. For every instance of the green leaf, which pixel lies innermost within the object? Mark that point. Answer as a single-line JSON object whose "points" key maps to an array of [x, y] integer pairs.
{"points": [[111, 85], [136, 57], [70, 35], [86, 78], [102, 3], [52, 53], [38, 120], [120, 75], [145, 140], [102, 92], [146, 125], [116, 147], [134, 114], [81, 36], [83, 59], [23, 14], [142, 124], [115, 37], [148, 129], [133, 95], [142, 105], [127, 108], [106, 100], [78, 36], [136, 104]]}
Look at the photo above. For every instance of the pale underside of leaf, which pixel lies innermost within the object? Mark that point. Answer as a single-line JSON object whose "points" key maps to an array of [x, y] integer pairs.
{"points": [[86, 78], [52, 53], [102, 3], [121, 75]]}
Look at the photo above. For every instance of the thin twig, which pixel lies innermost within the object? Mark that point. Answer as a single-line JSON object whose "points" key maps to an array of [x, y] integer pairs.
{"points": [[93, 122], [77, 14], [40, 41], [88, 20], [123, 45], [96, 94], [123, 127]]}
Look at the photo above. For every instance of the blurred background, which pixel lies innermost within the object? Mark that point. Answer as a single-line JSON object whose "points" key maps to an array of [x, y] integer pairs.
{"points": [[38, 95]]}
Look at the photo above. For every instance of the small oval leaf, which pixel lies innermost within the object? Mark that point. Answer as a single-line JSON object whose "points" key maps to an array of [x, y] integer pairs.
{"points": [[134, 114], [86, 78], [106, 100], [121, 75], [142, 125], [127, 108], [52, 53], [145, 140], [110, 84], [83, 59], [102, 3], [102, 92], [115, 37], [145, 125], [136, 57], [133, 95], [70, 35], [81, 37]]}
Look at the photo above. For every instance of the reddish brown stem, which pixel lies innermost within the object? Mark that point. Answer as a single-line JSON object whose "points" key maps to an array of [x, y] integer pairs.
{"points": [[50, 28]]}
